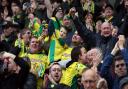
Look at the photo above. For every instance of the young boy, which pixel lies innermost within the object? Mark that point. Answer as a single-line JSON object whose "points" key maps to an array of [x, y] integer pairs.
{"points": [[57, 45]]}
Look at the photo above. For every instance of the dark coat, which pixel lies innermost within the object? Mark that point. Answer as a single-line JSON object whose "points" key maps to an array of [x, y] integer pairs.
{"points": [[13, 80], [95, 40], [112, 79]]}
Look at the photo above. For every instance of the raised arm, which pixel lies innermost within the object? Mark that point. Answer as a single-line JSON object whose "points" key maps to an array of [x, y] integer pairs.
{"points": [[51, 28], [124, 51], [107, 62], [86, 35]]}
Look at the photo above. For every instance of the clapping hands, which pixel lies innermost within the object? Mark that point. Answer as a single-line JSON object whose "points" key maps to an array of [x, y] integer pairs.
{"points": [[119, 44]]}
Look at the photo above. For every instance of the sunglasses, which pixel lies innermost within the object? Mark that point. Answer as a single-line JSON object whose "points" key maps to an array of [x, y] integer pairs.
{"points": [[122, 65]]}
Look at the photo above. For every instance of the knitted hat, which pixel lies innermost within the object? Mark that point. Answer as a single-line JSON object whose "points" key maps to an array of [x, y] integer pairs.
{"points": [[123, 82]]}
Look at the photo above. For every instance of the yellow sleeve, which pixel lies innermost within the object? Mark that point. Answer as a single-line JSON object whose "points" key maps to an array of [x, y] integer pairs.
{"points": [[80, 68], [66, 54], [36, 26]]}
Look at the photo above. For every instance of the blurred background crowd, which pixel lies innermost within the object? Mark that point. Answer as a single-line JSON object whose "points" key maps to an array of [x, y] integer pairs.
{"points": [[63, 44]]}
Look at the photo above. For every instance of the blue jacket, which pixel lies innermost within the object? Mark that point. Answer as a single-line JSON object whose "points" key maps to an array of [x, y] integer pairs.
{"points": [[105, 72]]}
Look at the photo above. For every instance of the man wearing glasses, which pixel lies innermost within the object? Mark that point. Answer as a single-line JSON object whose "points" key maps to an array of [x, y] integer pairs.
{"points": [[92, 80], [89, 78]]}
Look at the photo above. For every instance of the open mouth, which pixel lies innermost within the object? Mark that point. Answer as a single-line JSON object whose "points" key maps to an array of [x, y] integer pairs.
{"points": [[66, 22], [107, 32], [34, 46], [74, 37], [61, 35], [56, 76]]}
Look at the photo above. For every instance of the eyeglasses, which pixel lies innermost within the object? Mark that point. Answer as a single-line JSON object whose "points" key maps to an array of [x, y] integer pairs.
{"points": [[122, 65], [89, 81]]}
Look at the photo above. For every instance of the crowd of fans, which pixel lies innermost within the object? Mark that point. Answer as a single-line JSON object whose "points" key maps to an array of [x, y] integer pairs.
{"points": [[63, 44]]}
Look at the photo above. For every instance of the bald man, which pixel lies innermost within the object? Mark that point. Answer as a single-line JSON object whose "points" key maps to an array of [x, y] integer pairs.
{"points": [[106, 29], [89, 78], [104, 40]]}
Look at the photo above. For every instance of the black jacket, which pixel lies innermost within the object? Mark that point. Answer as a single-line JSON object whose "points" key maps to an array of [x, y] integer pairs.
{"points": [[13, 80], [95, 40]]}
